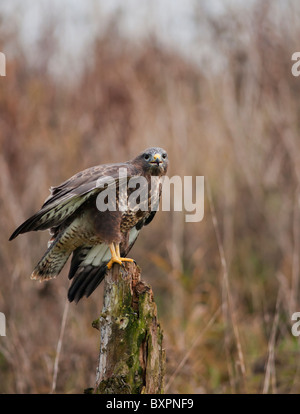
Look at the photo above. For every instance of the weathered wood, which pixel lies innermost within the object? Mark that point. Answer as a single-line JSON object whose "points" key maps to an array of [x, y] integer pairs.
{"points": [[131, 358]]}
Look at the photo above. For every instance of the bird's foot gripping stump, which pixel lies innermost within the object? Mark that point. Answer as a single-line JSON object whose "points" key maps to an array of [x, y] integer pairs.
{"points": [[131, 359]]}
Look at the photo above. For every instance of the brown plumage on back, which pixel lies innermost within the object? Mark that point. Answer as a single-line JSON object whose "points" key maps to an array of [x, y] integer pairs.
{"points": [[97, 239]]}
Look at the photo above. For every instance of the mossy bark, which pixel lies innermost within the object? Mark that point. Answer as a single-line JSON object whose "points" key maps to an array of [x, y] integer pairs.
{"points": [[131, 359]]}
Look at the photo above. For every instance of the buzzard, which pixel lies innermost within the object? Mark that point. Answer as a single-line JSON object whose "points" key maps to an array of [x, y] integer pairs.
{"points": [[97, 236]]}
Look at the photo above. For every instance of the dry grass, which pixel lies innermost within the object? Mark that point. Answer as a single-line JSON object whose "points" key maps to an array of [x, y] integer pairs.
{"points": [[239, 127]]}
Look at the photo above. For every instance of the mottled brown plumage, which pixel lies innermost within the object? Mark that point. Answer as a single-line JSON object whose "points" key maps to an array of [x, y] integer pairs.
{"points": [[77, 226]]}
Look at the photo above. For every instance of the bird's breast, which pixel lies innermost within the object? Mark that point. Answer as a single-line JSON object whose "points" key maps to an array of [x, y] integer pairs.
{"points": [[130, 218]]}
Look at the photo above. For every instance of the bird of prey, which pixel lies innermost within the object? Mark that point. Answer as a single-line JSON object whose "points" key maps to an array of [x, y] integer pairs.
{"points": [[97, 237]]}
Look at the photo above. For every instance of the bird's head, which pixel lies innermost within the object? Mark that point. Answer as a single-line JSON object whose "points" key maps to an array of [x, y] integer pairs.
{"points": [[153, 160]]}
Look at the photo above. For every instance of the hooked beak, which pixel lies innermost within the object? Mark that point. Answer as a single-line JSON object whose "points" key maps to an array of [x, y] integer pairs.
{"points": [[156, 159]]}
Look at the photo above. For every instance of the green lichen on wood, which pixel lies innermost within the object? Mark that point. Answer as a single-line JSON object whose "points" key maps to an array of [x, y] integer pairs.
{"points": [[132, 349]]}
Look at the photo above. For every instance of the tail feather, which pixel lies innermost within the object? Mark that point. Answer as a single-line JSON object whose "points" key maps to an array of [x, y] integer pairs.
{"points": [[78, 257], [52, 262], [86, 280], [57, 253], [88, 268]]}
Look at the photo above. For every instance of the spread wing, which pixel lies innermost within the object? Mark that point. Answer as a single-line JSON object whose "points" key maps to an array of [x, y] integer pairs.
{"points": [[66, 198]]}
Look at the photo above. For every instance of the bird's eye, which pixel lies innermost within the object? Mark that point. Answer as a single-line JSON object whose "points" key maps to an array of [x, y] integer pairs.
{"points": [[146, 157], [164, 156]]}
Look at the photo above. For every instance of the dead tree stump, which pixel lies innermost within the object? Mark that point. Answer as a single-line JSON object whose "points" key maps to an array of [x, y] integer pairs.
{"points": [[131, 358]]}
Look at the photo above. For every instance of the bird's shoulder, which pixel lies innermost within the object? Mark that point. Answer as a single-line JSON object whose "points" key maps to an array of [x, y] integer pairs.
{"points": [[88, 180]]}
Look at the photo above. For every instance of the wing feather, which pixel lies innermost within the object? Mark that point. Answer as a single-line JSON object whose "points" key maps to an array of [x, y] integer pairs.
{"points": [[66, 198]]}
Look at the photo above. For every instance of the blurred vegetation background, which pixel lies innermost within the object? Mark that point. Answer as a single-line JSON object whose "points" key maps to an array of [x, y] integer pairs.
{"points": [[225, 287]]}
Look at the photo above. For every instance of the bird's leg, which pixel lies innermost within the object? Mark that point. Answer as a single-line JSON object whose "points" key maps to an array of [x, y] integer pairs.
{"points": [[117, 246], [115, 255]]}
